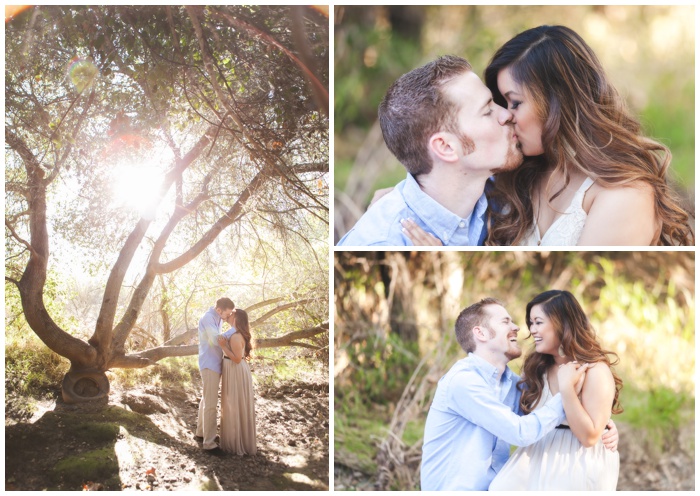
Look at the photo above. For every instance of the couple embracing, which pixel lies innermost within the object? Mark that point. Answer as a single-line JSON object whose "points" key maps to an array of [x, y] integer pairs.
{"points": [[556, 413], [223, 358], [544, 154]]}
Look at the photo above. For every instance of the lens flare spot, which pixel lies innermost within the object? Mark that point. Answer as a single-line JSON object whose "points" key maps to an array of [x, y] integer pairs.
{"points": [[82, 73], [12, 11]]}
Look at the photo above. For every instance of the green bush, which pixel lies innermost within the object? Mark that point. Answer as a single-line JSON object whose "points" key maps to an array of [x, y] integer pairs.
{"points": [[31, 369], [381, 367]]}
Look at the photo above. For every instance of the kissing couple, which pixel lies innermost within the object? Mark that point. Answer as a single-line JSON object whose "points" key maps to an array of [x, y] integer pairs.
{"points": [[545, 153], [223, 359]]}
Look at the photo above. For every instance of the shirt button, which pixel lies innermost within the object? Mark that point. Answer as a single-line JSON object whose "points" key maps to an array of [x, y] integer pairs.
{"points": [[461, 224]]}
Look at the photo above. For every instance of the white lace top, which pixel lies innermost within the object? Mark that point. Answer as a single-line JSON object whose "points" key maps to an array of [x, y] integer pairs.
{"points": [[567, 228]]}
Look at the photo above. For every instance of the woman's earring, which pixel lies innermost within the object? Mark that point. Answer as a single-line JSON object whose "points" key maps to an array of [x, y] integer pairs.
{"points": [[561, 351]]}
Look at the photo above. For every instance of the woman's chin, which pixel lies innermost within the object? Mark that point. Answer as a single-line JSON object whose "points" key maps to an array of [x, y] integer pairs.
{"points": [[542, 350]]}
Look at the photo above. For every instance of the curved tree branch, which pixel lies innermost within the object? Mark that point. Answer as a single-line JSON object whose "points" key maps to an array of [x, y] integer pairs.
{"points": [[121, 331], [291, 338], [153, 355], [17, 237], [317, 86], [279, 309], [31, 284], [264, 303], [229, 218]]}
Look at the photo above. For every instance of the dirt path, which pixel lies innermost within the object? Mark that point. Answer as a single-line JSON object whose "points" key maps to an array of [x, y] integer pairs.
{"points": [[143, 440]]}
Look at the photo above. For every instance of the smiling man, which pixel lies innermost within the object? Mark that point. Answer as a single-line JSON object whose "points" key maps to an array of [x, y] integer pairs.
{"points": [[442, 124], [474, 417]]}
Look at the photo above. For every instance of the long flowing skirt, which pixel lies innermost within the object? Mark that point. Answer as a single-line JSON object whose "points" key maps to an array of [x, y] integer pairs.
{"points": [[237, 409], [558, 462]]}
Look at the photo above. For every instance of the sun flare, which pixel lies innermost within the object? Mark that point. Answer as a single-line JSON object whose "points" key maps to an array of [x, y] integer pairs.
{"points": [[135, 186]]}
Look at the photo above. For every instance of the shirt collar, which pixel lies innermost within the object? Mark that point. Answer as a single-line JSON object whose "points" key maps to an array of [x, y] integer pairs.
{"points": [[440, 220], [212, 310], [489, 370]]}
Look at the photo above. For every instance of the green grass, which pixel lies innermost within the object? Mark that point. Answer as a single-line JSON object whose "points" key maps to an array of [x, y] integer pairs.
{"points": [[97, 465], [659, 413], [274, 366], [357, 439], [97, 433], [178, 372], [670, 126], [413, 432], [360, 428]]}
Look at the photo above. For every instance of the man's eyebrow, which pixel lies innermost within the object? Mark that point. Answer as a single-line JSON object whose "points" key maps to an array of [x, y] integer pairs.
{"points": [[488, 102]]}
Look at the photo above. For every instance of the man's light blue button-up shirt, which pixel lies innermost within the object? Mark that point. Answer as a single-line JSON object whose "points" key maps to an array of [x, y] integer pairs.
{"points": [[210, 353], [473, 420], [381, 224]]}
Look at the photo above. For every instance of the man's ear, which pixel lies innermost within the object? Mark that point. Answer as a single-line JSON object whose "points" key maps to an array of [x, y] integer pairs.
{"points": [[480, 333], [444, 146]]}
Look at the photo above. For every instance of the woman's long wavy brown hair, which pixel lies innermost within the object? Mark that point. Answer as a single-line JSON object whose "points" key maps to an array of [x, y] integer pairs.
{"points": [[586, 127], [243, 328], [577, 338]]}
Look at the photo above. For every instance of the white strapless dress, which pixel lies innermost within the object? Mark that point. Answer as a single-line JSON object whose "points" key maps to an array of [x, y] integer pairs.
{"points": [[567, 228], [558, 462]]}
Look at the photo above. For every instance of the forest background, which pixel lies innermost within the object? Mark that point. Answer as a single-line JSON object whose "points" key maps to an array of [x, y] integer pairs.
{"points": [[648, 53], [394, 339]]}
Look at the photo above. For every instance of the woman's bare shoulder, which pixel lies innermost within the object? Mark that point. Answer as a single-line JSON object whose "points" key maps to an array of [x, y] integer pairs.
{"points": [[637, 192], [621, 215], [599, 374]]}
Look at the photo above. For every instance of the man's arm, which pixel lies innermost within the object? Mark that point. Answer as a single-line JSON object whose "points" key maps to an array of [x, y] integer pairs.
{"points": [[210, 329], [477, 402]]}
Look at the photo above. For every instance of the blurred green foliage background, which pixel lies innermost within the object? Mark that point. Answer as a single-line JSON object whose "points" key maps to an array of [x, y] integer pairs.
{"points": [[647, 51]]}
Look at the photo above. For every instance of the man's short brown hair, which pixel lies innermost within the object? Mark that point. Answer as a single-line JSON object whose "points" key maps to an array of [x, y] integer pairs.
{"points": [[225, 304], [415, 107], [472, 316]]}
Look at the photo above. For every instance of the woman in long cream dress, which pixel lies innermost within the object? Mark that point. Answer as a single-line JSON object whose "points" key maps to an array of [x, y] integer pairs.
{"points": [[237, 397]]}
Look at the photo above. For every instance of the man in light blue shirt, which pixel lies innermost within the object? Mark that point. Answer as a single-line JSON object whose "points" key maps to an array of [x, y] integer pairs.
{"points": [[442, 124], [475, 414], [381, 225], [210, 357]]}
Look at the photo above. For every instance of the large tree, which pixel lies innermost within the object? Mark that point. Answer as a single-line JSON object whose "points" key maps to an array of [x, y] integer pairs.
{"points": [[226, 106]]}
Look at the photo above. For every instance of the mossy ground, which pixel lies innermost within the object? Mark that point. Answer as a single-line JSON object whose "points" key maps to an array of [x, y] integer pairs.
{"points": [[64, 447]]}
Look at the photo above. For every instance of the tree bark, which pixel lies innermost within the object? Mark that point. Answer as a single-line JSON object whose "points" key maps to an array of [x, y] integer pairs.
{"points": [[398, 285]]}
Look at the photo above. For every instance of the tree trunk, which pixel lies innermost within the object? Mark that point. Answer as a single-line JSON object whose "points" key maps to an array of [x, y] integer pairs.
{"points": [[85, 385], [398, 288]]}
